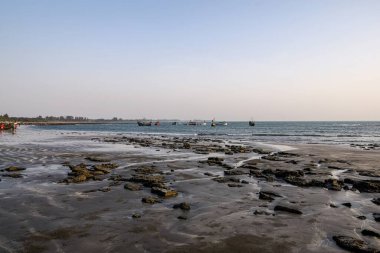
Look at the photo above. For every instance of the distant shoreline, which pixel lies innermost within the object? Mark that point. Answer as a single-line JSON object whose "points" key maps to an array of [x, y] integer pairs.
{"points": [[59, 123]]}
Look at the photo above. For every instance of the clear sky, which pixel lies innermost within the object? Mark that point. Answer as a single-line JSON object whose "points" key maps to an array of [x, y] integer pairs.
{"points": [[233, 60]]}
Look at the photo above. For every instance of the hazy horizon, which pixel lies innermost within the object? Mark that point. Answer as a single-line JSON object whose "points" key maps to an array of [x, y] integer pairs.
{"points": [[229, 60]]}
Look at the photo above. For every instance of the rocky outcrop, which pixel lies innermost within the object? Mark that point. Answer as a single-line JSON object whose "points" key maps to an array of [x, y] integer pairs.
{"points": [[372, 233], [151, 200], [371, 186], [353, 244], [14, 169]]}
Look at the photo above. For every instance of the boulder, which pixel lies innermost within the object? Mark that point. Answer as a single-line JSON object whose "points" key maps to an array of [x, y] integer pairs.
{"points": [[371, 186], [234, 185], [333, 184], [353, 244], [376, 201], [79, 179], [376, 216], [347, 204]]}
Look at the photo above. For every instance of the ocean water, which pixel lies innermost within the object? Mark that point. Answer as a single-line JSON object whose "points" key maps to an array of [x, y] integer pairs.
{"points": [[279, 132]]}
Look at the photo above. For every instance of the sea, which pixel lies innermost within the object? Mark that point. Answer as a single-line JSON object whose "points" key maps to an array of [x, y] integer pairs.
{"points": [[316, 132]]}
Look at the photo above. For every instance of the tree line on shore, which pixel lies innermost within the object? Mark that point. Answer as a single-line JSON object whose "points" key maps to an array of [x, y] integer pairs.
{"points": [[6, 117]]}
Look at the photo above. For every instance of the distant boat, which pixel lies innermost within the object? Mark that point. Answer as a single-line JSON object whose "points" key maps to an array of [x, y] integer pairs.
{"points": [[144, 123], [157, 123], [174, 123], [252, 123], [222, 123]]}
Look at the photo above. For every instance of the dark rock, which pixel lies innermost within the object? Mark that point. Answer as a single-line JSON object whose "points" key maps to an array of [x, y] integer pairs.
{"points": [[234, 185], [166, 193], [292, 162], [184, 206], [182, 217], [333, 184], [244, 182], [347, 204], [376, 216], [267, 195], [133, 187], [333, 206], [151, 200], [148, 180], [104, 189], [14, 169], [13, 175], [353, 244], [209, 174], [258, 212], [362, 217], [136, 216], [371, 186], [287, 209], [186, 145], [376, 201], [234, 172], [367, 232]]}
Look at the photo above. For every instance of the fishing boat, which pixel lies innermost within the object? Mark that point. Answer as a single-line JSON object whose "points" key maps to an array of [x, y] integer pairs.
{"points": [[174, 123], [144, 123], [157, 123], [222, 123], [251, 122]]}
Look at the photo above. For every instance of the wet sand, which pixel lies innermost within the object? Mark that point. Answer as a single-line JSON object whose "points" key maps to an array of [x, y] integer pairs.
{"points": [[236, 191]]}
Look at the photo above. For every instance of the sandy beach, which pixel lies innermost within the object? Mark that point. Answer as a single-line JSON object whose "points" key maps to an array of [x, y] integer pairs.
{"points": [[86, 192]]}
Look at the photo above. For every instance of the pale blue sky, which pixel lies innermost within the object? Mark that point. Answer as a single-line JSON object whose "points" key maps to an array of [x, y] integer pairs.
{"points": [[273, 60]]}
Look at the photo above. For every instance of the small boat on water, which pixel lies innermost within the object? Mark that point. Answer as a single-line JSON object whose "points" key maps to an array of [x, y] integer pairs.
{"points": [[144, 123], [252, 123], [157, 123], [174, 123], [222, 123]]}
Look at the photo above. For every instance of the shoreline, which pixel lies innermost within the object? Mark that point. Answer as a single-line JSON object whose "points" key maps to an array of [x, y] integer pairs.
{"points": [[236, 193]]}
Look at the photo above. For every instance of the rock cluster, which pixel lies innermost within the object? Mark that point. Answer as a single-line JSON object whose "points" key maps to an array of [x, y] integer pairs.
{"points": [[82, 172]]}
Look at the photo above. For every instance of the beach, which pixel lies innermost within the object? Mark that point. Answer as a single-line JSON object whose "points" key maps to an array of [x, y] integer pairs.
{"points": [[78, 191]]}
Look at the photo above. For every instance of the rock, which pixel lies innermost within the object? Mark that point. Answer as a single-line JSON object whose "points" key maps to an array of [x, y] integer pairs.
{"points": [[244, 182], [229, 152], [371, 186], [14, 168], [334, 184], [151, 200], [166, 193], [209, 174], [97, 159], [234, 185], [136, 216], [367, 232], [186, 145], [79, 179], [257, 212], [362, 217], [292, 162], [234, 172], [184, 206], [347, 204], [268, 195], [287, 209], [13, 175], [333, 206], [148, 180], [215, 161], [133, 187], [376, 201], [182, 217], [353, 244], [117, 178], [104, 189], [222, 179], [105, 166], [376, 216]]}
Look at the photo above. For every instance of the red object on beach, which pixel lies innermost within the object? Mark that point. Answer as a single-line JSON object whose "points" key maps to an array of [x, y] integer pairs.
{"points": [[2, 126]]}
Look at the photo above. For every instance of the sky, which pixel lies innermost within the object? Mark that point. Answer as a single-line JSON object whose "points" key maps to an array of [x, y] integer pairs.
{"points": [[191, 59]]}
